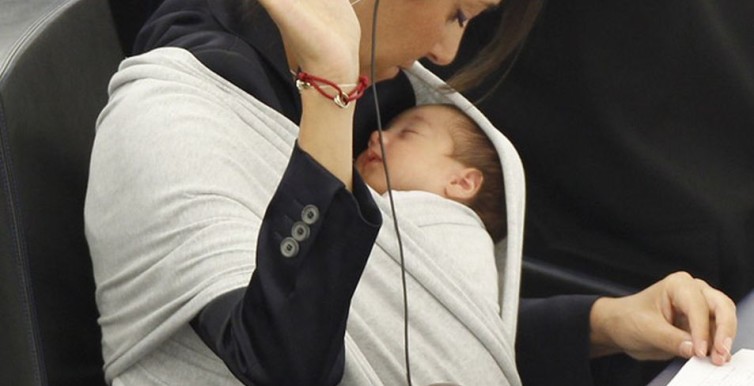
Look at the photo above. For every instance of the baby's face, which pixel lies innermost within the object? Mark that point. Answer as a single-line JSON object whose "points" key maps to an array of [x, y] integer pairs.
{"points": [[418, 147]]}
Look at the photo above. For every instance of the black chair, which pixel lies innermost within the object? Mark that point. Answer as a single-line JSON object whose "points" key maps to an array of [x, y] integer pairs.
{"points": [[56, 58]]}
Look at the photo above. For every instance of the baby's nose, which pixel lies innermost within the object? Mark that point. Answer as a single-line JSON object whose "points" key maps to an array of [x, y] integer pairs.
{"points": [[374, 138]]}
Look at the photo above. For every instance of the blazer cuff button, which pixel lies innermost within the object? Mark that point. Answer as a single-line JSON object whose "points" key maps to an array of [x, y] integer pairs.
{"points": [[289, 247], [300, 231], [310, 214]]}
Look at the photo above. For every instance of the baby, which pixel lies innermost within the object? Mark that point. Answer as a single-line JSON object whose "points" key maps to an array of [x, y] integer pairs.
{"points": [[435, 152], [439, 149]]}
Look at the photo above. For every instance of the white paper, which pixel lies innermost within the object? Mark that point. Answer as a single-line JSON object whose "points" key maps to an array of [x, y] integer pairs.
{"points": [[701, 372]]}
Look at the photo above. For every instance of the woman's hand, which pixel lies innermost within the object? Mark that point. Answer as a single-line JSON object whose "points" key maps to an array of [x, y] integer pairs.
{"points": [[677, 316], [322, 36]]}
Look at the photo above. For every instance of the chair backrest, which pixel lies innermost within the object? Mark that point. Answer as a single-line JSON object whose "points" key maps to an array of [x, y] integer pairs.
{"points": [[56, 58]]}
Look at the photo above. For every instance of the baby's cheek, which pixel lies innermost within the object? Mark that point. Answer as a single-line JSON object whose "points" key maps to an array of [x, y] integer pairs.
{"points": [[375, 180]]}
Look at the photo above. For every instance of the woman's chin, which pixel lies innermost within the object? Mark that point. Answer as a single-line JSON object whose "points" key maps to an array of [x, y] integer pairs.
{"points": [[388, 73]]}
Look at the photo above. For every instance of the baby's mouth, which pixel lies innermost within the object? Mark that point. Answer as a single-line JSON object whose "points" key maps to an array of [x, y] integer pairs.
{"points": [[372, 156], [367, 157]]}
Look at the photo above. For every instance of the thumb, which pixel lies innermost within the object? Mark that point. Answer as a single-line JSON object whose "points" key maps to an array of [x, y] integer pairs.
{"points": [[674, 341]]}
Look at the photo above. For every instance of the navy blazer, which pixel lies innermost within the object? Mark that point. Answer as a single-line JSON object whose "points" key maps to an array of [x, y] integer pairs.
{"points": [[280, 330]]}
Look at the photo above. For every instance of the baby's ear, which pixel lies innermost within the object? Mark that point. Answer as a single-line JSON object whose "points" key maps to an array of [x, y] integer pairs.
{"points": [[464, 185]]}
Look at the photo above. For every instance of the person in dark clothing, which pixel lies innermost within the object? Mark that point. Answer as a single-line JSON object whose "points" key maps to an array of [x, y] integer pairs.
{"points": [[266, 336]]}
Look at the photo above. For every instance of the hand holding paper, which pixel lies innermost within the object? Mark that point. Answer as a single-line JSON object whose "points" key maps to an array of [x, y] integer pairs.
{"points": [[677, 316]]}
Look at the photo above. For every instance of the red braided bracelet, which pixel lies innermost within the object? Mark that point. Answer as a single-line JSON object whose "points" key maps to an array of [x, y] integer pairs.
{"points": [[341, 98]]}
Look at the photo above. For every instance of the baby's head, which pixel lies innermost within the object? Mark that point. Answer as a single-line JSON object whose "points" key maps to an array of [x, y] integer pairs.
{"points": [[439, 149]]}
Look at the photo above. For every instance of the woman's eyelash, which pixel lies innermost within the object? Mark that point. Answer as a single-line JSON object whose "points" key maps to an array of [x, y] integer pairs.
{"points": [[461, 18]]}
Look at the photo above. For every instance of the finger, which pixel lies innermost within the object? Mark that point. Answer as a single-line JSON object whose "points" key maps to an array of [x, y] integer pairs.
{"points": [[672, 340], [687, 297], [725, 324]]}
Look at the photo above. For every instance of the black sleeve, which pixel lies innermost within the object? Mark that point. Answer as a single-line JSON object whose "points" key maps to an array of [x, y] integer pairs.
{"points": [[189, 24], [552, 343], [287, 327]]}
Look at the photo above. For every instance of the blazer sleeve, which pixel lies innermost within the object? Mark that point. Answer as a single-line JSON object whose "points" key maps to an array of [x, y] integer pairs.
{"points": [[288, 326], [552, 343]]}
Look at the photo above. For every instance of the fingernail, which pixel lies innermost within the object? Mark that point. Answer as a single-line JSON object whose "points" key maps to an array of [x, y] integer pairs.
{"points": [[728, 345], [686, 349], [702, 350]]}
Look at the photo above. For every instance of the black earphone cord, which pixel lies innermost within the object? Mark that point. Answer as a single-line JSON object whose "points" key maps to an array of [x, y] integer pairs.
{"points": [[390, 194]]}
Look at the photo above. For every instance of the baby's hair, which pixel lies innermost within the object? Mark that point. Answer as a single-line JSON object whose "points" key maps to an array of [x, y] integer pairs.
{"points": [[473, 148]]}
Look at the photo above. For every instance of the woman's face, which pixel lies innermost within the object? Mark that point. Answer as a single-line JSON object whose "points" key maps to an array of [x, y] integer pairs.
{"points": [[408, 30]]}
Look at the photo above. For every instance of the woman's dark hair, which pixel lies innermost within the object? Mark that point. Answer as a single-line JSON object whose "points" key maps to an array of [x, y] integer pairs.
{"points": [[517, 20], [473, 148]]}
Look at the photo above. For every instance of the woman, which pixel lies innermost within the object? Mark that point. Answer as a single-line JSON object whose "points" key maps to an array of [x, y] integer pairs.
{"points": [[175, 165]]}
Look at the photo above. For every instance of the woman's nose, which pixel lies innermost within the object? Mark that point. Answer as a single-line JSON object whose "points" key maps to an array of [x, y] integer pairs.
{"points": [[446, 49]]}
